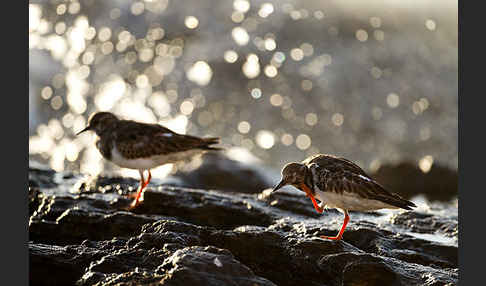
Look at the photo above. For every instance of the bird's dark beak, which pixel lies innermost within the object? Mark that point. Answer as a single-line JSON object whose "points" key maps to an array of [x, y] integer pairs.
{"points": [[277, 187], [85, 129]]}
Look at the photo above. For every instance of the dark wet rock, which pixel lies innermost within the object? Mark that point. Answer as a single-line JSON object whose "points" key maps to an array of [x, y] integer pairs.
{"points": [[406, 179], [205, 207], [357, 269], [56, 265], [41, 176], [107, 184], [64, 220], [370, 269], [222, 173], [76, 225], [404, 247], [191, 266], [428, 223], [81, 232]]}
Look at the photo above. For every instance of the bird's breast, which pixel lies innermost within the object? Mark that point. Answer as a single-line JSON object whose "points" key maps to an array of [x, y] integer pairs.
{"points": [[349, 201], [145, 163], [104, 147]]}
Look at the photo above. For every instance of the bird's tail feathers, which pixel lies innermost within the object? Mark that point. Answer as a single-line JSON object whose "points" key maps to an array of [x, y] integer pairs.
{"points": [[400, 203], [210, 141]]}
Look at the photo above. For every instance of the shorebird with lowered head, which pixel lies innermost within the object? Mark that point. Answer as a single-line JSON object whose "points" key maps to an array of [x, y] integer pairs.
{"points": [[339, 183], [143, 146]]}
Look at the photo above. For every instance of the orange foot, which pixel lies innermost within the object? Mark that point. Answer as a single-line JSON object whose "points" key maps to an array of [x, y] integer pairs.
{"points": [[130, 195], [338, 237], [136, 200], [340, 234], [133, 205]]}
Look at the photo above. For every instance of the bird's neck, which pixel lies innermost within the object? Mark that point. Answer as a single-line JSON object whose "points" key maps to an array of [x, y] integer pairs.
{"points": [[309, 181]]}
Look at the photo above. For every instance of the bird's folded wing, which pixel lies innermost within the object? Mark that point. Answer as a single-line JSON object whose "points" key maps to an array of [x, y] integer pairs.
{"points": [[151, 139], [334, 164], [364, 187]]}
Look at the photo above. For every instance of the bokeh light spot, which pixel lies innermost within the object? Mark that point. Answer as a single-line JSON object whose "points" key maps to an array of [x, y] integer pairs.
{"points": [[297, 54], [187, 107], [240, 36], [303, 141], [393, 100], [270, 44], [200, 73], [256, 93], [137, 8], [430, 24], [337, 119], [271, 71], [361, 35], [241, 5], [251, 67], [265, 10], [425, 163], [46, 92], [56, 102], [265, 139], [191, 22], [244, 127], [311, 119], [230, 56], [276, 99], [287, 139]]}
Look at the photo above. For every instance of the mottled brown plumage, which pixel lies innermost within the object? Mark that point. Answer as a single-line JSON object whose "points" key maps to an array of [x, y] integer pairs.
{"points": [[139, 140], [143, 146], [338, 175], [340, 184]]}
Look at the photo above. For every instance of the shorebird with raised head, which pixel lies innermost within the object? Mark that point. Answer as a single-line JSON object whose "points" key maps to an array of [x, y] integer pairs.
{"points": [[143, 146], [339, 183]]}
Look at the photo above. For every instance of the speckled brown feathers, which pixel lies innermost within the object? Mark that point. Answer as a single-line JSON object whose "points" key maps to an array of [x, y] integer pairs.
{"points": [[134, 140], [139, 140], [334, 164], [143, 146], [338, 183], [338, 175]]}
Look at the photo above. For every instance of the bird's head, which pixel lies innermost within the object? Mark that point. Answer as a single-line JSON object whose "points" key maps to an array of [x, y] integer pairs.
{"points": [[99, 122], [292, 174]]}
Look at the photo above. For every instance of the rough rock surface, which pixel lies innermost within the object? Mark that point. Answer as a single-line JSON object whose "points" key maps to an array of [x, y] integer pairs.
{"points": [[81, 233]]}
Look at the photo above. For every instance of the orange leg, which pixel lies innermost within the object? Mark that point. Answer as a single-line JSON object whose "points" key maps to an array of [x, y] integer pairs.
{"points": [[143, 184], [316, 206], [340, 234], [309, 194]]}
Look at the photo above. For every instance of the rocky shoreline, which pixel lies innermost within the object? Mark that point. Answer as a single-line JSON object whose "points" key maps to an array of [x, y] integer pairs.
{"points": [[80, 233]]}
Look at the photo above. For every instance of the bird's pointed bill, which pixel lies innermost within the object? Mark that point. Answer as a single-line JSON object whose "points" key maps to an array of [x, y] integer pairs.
{"points": [[85, 129], [280, 185]]}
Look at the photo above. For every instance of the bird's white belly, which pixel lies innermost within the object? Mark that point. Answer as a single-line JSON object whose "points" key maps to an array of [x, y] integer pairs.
{"points": [[349, 201], [151, 162]]}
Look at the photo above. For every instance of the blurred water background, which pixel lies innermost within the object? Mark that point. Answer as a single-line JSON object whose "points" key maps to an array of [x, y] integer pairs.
{"points": [[373, 81]]}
